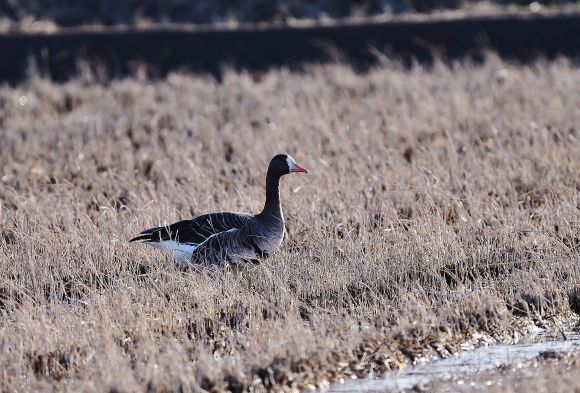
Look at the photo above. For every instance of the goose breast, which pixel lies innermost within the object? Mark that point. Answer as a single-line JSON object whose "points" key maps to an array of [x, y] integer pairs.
{"points": [[267, 236]]}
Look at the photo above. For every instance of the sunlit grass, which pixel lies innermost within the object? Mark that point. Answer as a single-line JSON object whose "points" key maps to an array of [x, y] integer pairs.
{"points": [[440, 202]]}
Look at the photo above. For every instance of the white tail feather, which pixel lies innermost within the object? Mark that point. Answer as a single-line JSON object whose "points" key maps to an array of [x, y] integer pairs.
{"points": [[181, 252]]}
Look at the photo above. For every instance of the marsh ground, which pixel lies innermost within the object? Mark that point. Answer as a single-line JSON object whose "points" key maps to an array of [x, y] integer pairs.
{"points": [[441, 202], [543, 375]]}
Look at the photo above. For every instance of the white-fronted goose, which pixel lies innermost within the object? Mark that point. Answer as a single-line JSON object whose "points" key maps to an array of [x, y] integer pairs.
{"points": [[226, 237]]}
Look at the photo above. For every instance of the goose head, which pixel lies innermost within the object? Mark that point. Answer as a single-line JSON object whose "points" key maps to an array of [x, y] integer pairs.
{"points": [[283, 164]]}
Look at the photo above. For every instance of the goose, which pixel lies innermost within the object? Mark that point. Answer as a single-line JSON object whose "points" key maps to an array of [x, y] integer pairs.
{"points": [[227, 237]]}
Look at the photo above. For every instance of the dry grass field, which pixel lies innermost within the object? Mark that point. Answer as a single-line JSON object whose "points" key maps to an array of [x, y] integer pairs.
{"points": [[441, 202]]}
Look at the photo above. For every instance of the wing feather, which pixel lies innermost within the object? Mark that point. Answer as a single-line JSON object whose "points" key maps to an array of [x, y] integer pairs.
{"points": [[196, 230], [224, 247]]}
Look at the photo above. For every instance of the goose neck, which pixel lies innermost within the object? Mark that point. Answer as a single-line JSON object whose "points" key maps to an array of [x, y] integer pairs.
{"points": [[272, 205]]}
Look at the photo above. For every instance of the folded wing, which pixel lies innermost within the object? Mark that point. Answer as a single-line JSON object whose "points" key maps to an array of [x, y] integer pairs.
{"points": [[231, 246], [195, 231]]}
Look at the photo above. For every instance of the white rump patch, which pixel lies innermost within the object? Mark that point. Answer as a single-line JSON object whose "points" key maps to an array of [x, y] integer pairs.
{"points": [[290, 161], [181, 252]]}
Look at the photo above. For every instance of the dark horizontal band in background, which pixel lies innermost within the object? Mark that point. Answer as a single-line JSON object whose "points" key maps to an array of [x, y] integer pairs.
{"points": [[164, 49]]}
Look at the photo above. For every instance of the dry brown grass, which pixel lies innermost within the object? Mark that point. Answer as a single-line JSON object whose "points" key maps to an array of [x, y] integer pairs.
{"points": [[440, 202]]}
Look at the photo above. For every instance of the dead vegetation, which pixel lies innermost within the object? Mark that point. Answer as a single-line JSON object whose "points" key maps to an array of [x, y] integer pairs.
{"points": [[441, 202]]}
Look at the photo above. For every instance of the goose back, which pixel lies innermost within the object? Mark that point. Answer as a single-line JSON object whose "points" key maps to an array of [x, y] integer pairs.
{"points": [[197, 230]]}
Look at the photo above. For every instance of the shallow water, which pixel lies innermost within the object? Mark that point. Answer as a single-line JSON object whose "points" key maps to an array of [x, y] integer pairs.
{"points": [[467, 364]]}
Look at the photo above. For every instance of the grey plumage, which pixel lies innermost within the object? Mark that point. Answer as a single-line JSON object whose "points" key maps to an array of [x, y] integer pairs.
{"points": [[218, 238]]}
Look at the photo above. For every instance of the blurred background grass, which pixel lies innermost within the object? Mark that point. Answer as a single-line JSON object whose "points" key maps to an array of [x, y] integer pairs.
{"points": [[68, 13]]}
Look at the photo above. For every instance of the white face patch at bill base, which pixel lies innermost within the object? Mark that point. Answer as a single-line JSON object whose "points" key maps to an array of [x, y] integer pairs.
{"points": [[290, 161]]}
